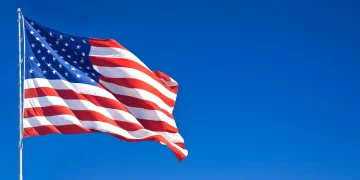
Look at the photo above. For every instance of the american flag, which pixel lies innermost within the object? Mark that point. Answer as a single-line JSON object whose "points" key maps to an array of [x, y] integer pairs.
{"points": [[76, 85]]}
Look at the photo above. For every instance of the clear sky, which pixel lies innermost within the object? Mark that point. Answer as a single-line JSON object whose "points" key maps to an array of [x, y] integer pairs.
{"points": [[267, 90]]}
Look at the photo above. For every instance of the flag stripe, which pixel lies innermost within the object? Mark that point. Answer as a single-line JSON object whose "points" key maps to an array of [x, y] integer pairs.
{"points": [[151, 121], [105, 43], [126, 63], [63, 120], [132, 103], [122, 72], [87, 126], [96, 100], [140, 94], [86, 115], [115, 112], [109, 52], [168, 81], [139, 84], [100, 102], [84, 89]]}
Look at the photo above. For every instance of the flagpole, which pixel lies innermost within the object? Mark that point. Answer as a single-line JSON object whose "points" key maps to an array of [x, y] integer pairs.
{"points": [[20, 97]]}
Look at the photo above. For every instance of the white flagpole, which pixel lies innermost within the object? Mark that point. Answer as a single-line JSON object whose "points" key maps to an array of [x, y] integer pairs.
{"points": [[20, 98]]}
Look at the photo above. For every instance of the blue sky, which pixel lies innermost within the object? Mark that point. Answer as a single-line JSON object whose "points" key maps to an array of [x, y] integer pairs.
{"points": [[267, 90]]}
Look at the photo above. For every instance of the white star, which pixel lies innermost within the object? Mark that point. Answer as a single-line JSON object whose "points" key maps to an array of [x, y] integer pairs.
{"points": [[78, 75], [51, 34], [66, 74], [38, 64], [63, 49], [83, 54], [84, 41], [57, 42], [60, 36], [31, 71], [80, 67], [32, 45], [66, 44], [54, 59], [73, 68], [82, 60], [75, 62], [55, 51], [93, 74], [91, 80], [38, 30], [49, 64], [32, 57], [44, 38], [43, 45], [50, 44], [61, 57], [72, 39], [78, 47], [60, 66], [48, 51], [66, 62], [37, 39], [87, 67], [43, 58], [54, 71], [39, 51], [32, 23], [44, 71], [31, 32], [69, 56]]}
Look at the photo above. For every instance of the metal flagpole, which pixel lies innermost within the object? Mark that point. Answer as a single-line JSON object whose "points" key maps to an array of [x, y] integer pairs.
{"points": [[20, 97]]}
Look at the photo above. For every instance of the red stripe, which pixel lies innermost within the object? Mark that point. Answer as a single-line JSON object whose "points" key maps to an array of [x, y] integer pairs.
{"points": [[135, 102], [50, 129], [152, 125], [182, 145], [75, 129], [105, 43], [83, 115], [121, 62], [140, 103], [162, 75], [70, 94], [159, 126], [136, 83], [166, 78]]}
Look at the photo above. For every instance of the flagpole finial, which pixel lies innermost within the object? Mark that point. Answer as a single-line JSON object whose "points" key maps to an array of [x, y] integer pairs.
{"points": [[18, 10]]}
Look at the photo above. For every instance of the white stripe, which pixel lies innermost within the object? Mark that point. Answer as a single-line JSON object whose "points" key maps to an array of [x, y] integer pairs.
{"points": [[95, 125], [137, 93], [110, 52], [79, 88], [156, 115], [65, 85], [76, 104], [124, 72]]}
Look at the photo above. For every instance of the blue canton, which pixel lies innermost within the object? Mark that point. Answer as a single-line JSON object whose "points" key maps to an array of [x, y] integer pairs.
{"points": [[57, 56]]}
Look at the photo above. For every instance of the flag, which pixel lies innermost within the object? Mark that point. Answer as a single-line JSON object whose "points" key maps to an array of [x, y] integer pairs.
{"points": [[76, 85]]}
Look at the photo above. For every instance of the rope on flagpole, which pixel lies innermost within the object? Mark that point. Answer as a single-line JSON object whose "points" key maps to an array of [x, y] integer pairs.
{"points": [[20, 95]]}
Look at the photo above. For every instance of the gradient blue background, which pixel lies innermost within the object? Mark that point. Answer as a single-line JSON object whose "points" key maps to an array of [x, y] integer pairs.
{"points": [[269, 90]]}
